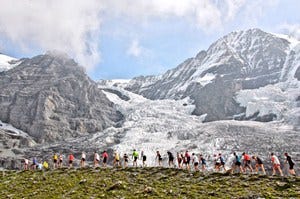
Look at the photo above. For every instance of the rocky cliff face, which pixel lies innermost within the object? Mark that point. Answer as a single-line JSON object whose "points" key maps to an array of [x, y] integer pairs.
{"points": [[51, 98], [245, 60]]}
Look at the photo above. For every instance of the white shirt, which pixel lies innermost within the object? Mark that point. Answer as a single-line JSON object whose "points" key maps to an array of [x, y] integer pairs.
{"points": [[195, 159], [83, 155], [97, 156]]}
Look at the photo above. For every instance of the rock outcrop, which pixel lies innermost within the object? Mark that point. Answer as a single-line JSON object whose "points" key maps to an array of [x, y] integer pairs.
{"points": [[51, 98]]}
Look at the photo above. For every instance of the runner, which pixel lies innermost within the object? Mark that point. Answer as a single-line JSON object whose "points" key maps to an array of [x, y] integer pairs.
{"points": [[237, 163], [217, 162], [158, 158], [195, 161], [222, 160], [55, 161], [71, 159], [135, 156], [144, 158], [259, 164], [179, 160], [96, 159], [34, 163], [276, 164], [60, 161], [188, 159], [247, 162], [125, 157], [171, 159], [26, 162], [45, 165], [82, 162], [116, 159], [203, 163], [105, 159], [291, 164]]}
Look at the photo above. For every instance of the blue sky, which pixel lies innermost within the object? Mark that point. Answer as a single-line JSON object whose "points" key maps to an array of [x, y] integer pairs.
{"points": [[121, 39]]}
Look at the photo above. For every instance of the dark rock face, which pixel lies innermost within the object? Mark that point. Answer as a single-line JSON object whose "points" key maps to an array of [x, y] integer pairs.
{"points": [[241, 60], [51, 98]]}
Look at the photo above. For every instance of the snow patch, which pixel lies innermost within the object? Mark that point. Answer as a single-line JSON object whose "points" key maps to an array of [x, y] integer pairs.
{"points": [[4, 62], [206, 79]]}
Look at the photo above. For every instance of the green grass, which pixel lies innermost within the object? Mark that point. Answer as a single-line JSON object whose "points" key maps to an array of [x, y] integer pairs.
{"points": [[142, 183]]}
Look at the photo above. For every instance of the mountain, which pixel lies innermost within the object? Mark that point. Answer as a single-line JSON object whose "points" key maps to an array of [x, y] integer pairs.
{"points": [[51, 98], [246, 75], [7, 62]]}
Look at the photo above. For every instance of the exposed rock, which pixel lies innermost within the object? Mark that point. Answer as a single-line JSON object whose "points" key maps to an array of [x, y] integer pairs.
{"points": [[51, 98]]}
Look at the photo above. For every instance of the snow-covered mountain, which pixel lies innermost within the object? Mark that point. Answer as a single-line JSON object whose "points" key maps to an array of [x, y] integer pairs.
{"points": [[7, 62], [246, 75]]}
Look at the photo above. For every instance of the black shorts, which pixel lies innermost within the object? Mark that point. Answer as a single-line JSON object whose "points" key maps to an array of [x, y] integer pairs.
{"points": [[291, 166], [160, 159], [70, 161], [218, 164], [60, 161], [247, 163], [238, 163], [135, 159], [188, 159], [171, 159], [222, 163], [144, 158], [104, 159], [117, 160], [55, 161], [196, 164], [126, 160], [82, 159]]}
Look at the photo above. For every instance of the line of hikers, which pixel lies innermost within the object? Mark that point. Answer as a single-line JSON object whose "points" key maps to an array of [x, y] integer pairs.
{"points": [[241, 163]]}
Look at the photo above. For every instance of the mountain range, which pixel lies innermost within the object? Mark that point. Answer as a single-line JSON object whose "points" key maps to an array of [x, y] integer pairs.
{"points": [[241, 94]]}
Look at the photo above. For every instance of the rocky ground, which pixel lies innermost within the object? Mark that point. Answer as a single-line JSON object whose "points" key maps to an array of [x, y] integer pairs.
{"points": [[143, 183]]}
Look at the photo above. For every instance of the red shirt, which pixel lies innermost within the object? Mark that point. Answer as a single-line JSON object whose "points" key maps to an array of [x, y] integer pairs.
{"points": [[105, 155], [71, 157]]}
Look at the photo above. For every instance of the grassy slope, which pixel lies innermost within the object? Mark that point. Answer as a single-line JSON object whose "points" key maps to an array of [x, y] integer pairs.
{"points": [[142, 183]]}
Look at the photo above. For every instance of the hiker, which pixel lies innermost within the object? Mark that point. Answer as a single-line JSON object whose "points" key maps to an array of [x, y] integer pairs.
{"points": [[158, 158], [144, 158], [96, 159], [179, 160], [291, 164], [55, 161], [237, 163], [26, 162], [125, 158], [45, 165], [188, 159], [259, 164], [171, 159], [222, 160], [276, 164], [203, 162], [247, 162], [195, 161], [105, 159], [217, 161], [60, 161], [34, 164], [135, 156], [71, 159], [116, 159], [82, 161]]}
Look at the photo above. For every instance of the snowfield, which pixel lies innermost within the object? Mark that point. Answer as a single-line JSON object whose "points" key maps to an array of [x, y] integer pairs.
{"points": [[167, 125], [5, 62]]}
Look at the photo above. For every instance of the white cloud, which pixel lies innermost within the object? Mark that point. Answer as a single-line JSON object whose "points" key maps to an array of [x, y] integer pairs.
{"points": [[74, 26], [134, 49], [64, 25], [291, 30]]}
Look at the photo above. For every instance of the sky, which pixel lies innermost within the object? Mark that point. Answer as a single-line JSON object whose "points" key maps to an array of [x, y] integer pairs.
{"points": [[122, 39]]}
